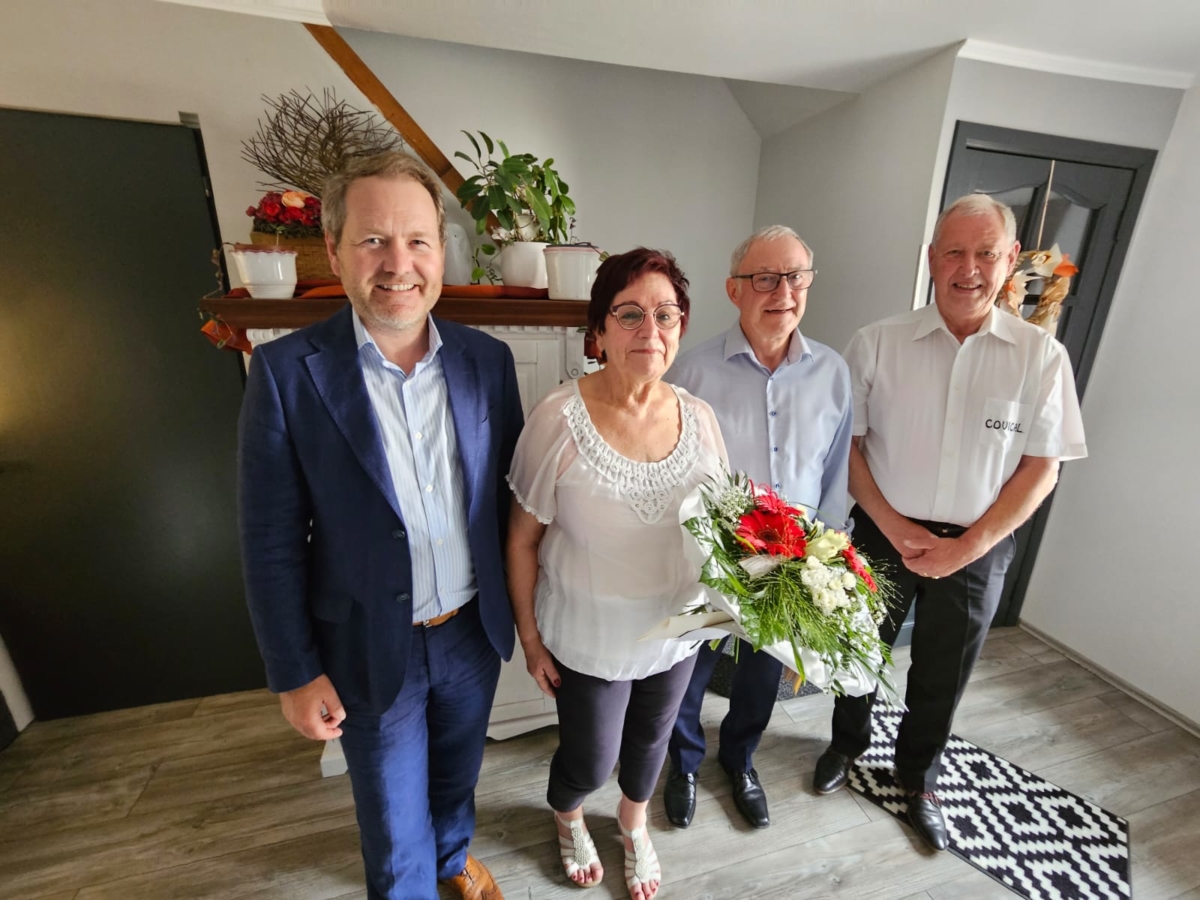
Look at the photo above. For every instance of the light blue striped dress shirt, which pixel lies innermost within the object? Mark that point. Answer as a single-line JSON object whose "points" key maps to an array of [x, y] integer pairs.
{"points": [[790, 429], [413, 414]]}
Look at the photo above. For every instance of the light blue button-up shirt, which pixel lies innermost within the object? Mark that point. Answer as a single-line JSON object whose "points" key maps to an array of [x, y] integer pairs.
{"points": [[791, 428], [421, 445]]}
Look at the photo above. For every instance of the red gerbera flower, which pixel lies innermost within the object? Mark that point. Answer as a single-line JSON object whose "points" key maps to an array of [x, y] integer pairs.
{"points": [[769, 501], [771, 532]]}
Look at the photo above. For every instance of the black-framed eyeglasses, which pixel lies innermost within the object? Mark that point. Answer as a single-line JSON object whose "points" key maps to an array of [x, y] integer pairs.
{"points": [[765, 282], [629, 315]]}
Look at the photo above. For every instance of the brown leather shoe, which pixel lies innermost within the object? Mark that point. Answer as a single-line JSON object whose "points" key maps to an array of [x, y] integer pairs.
{"points": [[474, 882]]}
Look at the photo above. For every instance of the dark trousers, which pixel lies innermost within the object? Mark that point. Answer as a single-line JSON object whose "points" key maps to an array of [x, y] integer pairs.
{"points": [[414, 769], [953, 615], [751, 702], [602, 722]]}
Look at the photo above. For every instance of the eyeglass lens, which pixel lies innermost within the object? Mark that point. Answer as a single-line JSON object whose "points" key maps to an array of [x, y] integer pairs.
{"points": [[768, 281], [630, 316]]}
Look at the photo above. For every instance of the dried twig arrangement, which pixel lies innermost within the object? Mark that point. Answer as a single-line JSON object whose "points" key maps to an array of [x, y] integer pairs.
{"points": [[305, 138]]}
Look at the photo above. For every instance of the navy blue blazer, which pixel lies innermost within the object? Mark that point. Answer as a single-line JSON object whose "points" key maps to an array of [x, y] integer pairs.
{"points": [[324, 546]]}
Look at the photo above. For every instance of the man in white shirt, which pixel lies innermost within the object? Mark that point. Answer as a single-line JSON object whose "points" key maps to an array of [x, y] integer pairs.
{"points": [[962, 413]]}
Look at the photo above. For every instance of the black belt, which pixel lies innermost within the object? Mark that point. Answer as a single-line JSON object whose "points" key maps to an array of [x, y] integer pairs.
{"points": [[943, 529]]}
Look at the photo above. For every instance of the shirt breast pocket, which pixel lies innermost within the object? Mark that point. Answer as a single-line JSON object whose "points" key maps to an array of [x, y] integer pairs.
{"points": [[1006, 423]]}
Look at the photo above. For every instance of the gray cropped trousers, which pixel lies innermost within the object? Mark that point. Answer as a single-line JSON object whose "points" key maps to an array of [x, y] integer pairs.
{"points": [[601, 723]]}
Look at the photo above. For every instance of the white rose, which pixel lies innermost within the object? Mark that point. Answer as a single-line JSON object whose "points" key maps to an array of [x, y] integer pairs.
{"points": [[828, 545]]}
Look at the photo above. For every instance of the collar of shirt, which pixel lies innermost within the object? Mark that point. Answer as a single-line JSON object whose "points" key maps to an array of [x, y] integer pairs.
{"points": [[736, 342], [931, 320], [363, 338]]}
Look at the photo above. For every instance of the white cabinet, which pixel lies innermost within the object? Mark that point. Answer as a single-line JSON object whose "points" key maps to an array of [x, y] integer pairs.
{"points": [[545, 357]]}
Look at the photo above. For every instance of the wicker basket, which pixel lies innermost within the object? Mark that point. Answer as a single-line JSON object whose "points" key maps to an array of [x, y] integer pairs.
{"points": [[312, 262]]}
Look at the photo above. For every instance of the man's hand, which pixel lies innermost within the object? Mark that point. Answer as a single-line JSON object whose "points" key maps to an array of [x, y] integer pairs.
{"points": [[945, 557], [540, 665], [910, 539], [314, 710]]}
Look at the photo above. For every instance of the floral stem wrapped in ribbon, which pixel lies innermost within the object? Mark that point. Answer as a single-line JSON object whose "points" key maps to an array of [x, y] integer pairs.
{"points": [[788, 585]]}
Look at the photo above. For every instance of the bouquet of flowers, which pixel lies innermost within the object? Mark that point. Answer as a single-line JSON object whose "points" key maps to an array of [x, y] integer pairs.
{"points": [[788, 585], [293, 214]]}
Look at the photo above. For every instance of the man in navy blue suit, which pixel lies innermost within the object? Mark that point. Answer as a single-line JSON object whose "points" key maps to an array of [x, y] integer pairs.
{"points": [[373, 449]]}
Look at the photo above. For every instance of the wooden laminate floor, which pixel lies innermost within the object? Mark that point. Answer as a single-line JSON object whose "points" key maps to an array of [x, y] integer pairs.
{"points": [[218, 798]]}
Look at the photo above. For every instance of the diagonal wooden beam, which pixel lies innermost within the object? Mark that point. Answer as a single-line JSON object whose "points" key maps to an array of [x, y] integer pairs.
{"points": [[375, 91]]}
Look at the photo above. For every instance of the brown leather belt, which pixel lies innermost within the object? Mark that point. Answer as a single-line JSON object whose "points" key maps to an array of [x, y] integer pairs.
{"points": [[438, 620]]}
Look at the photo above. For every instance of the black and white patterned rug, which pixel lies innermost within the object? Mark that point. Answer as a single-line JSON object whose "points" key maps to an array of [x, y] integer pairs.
{"points": [[1036, 839]]}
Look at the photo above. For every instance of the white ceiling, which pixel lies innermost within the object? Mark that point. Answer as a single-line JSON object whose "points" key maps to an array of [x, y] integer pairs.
{"points": [[837, 45], [786, 60], [773, 108]]}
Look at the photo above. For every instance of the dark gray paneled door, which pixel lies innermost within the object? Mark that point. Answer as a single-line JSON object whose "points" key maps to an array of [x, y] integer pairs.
{"points": [[119, 571], [1085, 197]]}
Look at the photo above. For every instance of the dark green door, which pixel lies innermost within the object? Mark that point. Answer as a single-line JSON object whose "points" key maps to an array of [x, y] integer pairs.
{"points": [[119, 572]]}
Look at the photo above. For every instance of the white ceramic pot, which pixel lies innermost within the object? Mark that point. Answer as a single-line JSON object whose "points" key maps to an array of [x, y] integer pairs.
{"points": [[458, 255], [523, 264], [267, 271], [570, 271]]}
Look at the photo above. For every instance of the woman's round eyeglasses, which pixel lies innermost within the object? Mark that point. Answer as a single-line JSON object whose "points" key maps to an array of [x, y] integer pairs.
{"points": [[765, 282], [629, 316]]}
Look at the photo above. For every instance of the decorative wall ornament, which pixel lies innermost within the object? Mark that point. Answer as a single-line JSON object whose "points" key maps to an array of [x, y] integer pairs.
{"points": [[1055, 269]]}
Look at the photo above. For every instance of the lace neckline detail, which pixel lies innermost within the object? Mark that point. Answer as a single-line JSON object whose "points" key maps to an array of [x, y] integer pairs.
{"points": [[647, 486]]}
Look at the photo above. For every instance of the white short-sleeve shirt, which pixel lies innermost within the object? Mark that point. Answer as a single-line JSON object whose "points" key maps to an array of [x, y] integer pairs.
{"points": [[611, 560], [944, 424]]}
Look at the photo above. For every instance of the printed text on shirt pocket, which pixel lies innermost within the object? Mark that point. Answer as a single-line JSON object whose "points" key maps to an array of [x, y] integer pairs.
{"points": [[1006, 421]]}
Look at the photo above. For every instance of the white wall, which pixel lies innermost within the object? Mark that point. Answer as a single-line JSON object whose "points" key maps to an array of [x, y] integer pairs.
{"points": [[1108, 111], [1114, 577], [652, 158], [855, 182]]}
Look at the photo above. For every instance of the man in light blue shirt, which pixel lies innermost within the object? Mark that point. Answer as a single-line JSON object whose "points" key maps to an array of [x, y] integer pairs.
{"points": [[785, 408], [419, 441]]}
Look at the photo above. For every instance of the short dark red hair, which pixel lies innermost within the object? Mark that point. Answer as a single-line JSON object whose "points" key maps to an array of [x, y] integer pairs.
{"points": [[620, 271]]}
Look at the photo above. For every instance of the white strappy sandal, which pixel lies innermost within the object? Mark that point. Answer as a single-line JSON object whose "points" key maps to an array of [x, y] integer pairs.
{"points": [[641, 863], [578, 852]]}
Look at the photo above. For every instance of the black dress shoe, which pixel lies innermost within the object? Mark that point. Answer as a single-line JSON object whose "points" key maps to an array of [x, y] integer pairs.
{"points": [[925, 815], [749, 798], [679, 797], [832, 772]]}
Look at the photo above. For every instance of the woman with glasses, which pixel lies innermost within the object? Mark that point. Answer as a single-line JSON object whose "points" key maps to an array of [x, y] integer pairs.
{"points": [[595, 555]]}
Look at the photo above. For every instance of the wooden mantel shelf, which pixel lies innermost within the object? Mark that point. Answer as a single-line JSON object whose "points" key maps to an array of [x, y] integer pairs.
{"points": [[246, 312]]}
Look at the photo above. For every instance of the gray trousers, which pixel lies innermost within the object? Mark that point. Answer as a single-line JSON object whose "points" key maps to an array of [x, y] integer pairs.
{"points": [[601, 723]]}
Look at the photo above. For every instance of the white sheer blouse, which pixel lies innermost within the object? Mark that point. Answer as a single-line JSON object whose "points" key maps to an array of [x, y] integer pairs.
{"points": [[611, 559]]}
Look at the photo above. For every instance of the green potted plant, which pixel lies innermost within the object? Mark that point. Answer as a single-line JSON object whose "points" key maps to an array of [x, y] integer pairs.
{"points": [[528, 199]]}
